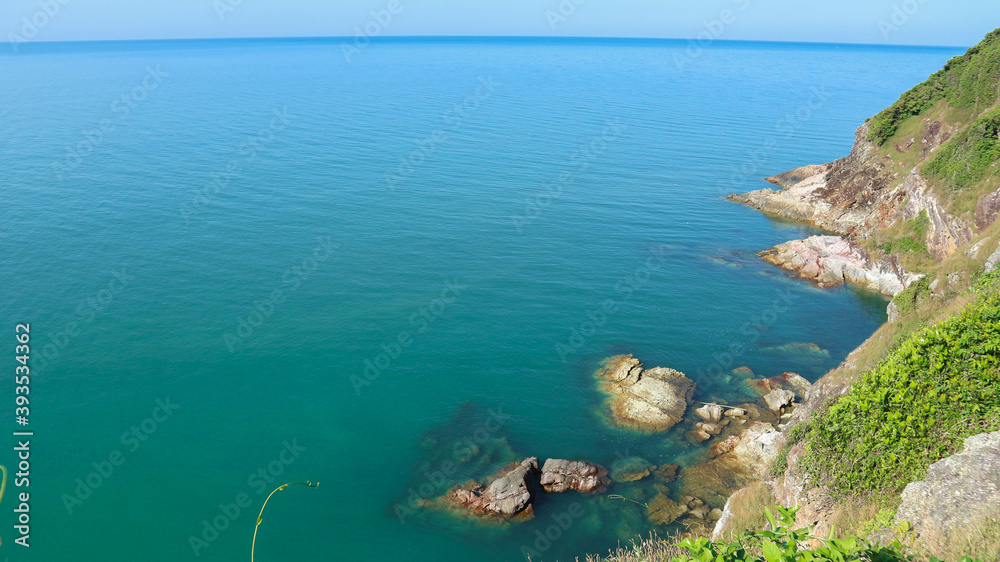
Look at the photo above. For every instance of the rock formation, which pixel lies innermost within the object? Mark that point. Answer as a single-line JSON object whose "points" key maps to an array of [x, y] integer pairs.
{"points": [[644, 399], [832, 260], [958, 492], [559, 475], [862, 193], [735, 462], [511, 493]]}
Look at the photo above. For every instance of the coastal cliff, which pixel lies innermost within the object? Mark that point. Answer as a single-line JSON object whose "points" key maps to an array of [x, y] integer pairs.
{"points": [[915, 205]]}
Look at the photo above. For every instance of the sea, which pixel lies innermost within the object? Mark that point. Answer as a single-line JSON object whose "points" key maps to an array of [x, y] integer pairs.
{"points": [[387, 269]]}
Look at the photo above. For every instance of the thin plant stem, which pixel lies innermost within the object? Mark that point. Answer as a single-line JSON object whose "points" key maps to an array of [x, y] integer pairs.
{"points": [[261, 514]]}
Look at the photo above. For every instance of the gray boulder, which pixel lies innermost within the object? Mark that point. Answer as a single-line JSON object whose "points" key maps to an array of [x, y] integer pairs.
{"points": [[511, 493], [957, 492]]}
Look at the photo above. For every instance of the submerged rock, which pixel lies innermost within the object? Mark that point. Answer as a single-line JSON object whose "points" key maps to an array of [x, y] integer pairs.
{"points": [[631, 469], [667, 473], [644, 399], [559, 475], [662, 510], [958, 492], [511, 493]]}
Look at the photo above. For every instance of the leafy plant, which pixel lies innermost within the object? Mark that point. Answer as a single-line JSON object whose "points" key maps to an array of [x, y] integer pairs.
{"points": [[941, 385], [967, 158], [783, 543]]}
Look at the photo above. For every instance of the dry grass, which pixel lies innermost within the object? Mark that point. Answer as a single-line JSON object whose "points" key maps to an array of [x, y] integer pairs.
{"points": [[979, 540], [860, 516], [642, 550], [748, 505]]}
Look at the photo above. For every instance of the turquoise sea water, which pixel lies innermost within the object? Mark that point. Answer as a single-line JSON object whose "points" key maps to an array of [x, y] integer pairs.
{"points": [[336, 271]]}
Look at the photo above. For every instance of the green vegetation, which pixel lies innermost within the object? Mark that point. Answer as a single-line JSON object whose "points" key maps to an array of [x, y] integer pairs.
{"points": [[941, 385], [969, 81], [969, 157], [907, 301], [783, 543]]}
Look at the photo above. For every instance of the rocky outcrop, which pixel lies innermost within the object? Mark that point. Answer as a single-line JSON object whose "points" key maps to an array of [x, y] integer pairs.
{"points": [[559, 475], [793, 382], [958, 492], [987, 210], [864, 192], [644, 399], [832, 260], [945, 233], [777, 400], [993, 260], [511, 493], [736, 461], [799, 175]]}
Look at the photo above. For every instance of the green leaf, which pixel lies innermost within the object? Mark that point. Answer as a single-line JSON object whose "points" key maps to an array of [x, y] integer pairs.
{"points": [[771, 551]]}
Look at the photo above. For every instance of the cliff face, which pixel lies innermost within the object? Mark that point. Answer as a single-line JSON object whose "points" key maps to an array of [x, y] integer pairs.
{"points": [[865, 192]]}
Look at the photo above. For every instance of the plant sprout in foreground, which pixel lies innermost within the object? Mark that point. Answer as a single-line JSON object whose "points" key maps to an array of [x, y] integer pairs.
{"points": [[261, 514]]}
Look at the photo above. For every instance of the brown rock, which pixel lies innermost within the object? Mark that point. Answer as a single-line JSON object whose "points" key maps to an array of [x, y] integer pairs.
{"points": [[511, 493], [663, 511], [644, 399], [559, 475], [667, 473]]}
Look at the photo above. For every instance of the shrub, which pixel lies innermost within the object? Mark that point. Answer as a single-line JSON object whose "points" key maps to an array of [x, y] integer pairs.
{"points": [[938, 387]]}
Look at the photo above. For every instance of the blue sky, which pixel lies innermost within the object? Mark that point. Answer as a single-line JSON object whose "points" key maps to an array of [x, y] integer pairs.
{"points": [[913, 22]]}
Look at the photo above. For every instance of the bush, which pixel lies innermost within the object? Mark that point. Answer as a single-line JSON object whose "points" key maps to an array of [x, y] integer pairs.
{"points": [[967, 158], [917, 406]]}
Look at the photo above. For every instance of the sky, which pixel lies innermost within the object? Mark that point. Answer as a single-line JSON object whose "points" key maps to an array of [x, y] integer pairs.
{"points": [[906, 22]]}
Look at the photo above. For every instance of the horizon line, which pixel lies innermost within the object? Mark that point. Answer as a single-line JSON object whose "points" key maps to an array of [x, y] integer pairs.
{"points": [[488, 37]]}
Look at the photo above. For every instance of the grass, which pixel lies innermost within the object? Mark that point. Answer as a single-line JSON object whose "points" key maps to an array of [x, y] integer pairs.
{"points": [[979, 539], [747, 506], [642, 550]]}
